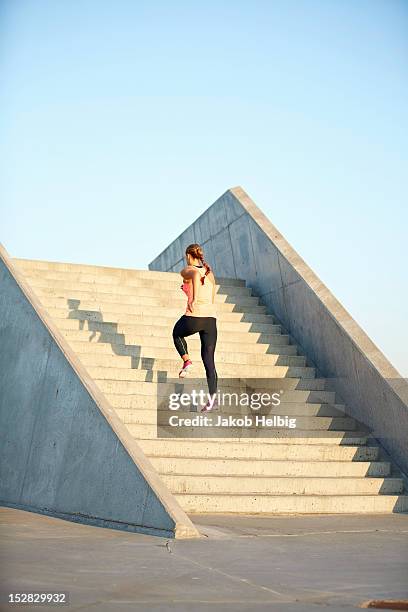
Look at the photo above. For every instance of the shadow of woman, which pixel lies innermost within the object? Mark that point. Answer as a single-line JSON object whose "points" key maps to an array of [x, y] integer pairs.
{"points": [[108, 333]]}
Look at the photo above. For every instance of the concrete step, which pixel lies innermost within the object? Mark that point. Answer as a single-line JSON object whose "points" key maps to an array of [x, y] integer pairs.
{"points": [[231, 333], [293, 504], [318, 428], [129, 356], [123, 274], [57, 281], [147, 358], [132, 356], [322, 395], [129, 415], [123, 353], [165, 326], [152, 370], [202, 467], [193, 484], [139, 304], [133, 314], [299, 439], [224, 352], [144, 296], [145, 387], [138, 375], [134, 341], [128, 294], [252, 451], [131, 403]]}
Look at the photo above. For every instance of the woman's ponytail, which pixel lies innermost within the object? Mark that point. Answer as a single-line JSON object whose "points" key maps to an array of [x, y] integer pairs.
{"points": [[207, 270], [196, 251]]}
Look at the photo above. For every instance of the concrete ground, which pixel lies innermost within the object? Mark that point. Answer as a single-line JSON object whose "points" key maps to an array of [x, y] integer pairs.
{"points": [[285, 563]]}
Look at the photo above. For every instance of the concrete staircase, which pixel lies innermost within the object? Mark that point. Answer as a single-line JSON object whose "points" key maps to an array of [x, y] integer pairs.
{"points": [[119, 322]]}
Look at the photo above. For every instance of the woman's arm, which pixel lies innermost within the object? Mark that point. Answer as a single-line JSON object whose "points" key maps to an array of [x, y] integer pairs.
{"points": [[196, 285], [212, 278], [189, 273]]}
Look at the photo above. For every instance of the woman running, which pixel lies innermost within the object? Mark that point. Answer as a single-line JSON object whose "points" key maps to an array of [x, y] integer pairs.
{"points": [[199, 286]]}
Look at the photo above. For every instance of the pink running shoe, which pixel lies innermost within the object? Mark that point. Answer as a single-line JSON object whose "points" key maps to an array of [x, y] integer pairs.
{"points": [[187, 365], [208, 407]]}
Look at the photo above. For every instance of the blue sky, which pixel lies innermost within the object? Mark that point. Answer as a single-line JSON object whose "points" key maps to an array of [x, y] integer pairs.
{"points": [[122, 121]]}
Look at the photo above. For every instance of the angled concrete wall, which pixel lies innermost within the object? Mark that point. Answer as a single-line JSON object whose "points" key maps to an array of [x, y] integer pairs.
{"points": [[63, 450], [239, 241]]}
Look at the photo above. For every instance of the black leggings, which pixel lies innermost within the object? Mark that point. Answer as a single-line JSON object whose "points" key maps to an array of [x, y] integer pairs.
{"points": [[207, 328]]}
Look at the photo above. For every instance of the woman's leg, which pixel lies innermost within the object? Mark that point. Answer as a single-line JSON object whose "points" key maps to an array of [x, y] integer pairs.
{"points": [[208, 337], [185, 326]]}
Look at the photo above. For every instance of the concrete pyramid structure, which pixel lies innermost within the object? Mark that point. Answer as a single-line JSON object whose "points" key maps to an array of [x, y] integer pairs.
{"points": [[83, 347]]}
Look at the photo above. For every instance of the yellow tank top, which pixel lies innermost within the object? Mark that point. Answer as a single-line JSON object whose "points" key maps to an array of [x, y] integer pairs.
{"points": [[203, 303]]}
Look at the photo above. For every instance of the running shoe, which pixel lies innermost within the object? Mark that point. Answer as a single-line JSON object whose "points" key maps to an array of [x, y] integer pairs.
{"points": [[208, 407], [187, 365]]}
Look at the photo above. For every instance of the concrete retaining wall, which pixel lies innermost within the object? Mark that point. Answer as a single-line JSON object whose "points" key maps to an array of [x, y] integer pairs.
{"points": [[239, 241], [63, 450]]}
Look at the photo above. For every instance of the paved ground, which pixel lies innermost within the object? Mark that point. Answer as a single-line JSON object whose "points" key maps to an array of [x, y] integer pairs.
{"points": [[243, 564]]}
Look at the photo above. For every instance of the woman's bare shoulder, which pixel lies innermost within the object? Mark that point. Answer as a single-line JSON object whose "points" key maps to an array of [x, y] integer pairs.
{"points": [[189, 272]]}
